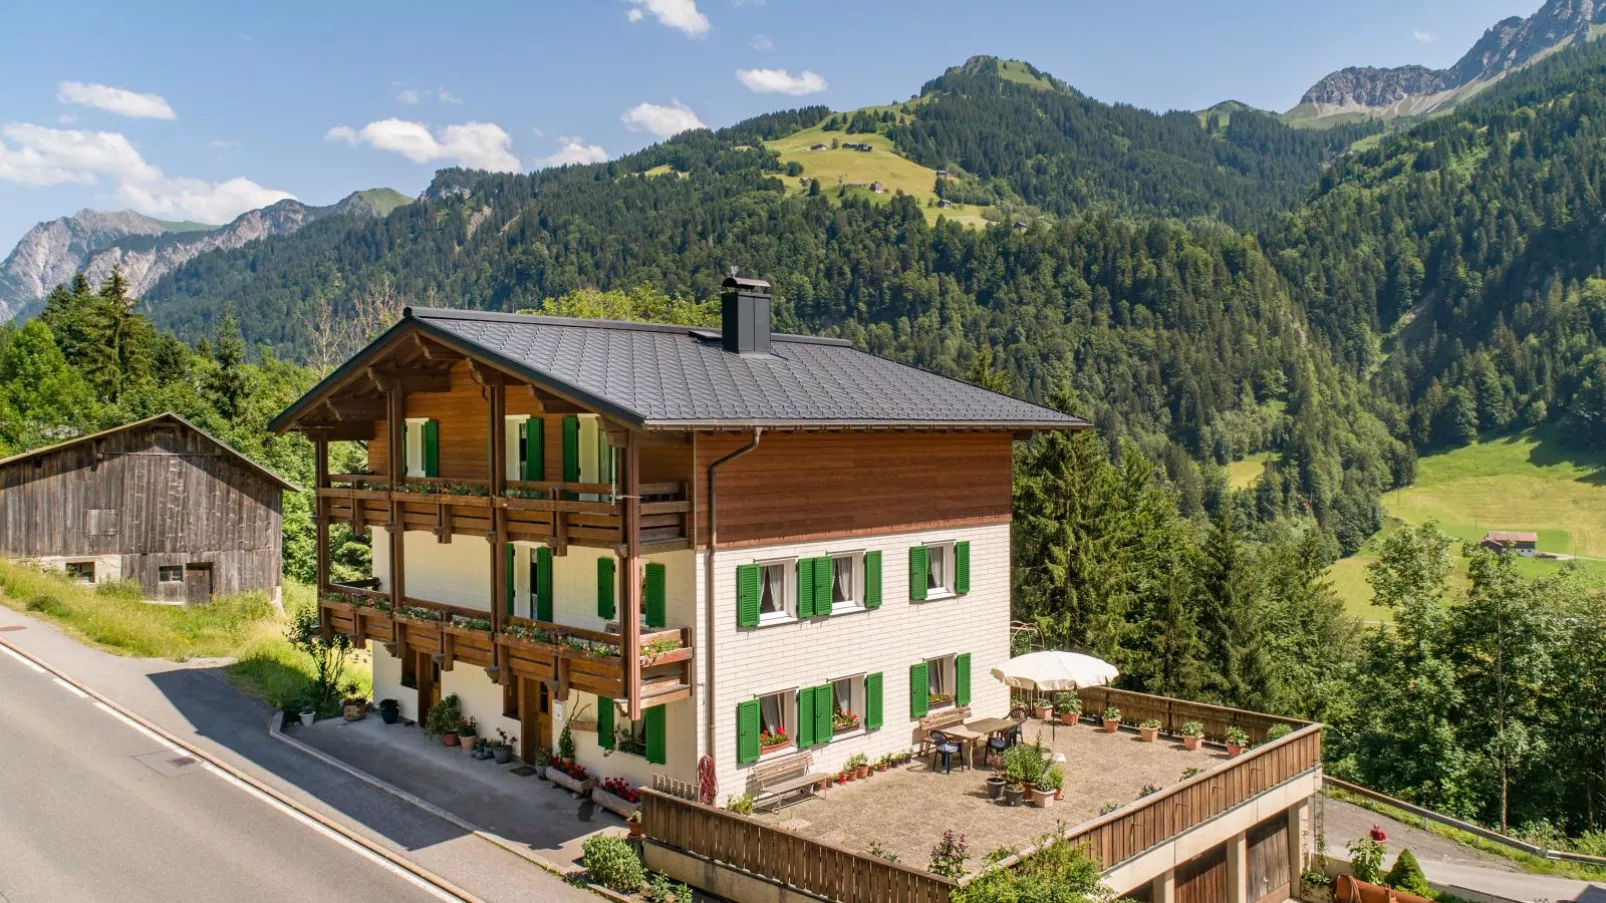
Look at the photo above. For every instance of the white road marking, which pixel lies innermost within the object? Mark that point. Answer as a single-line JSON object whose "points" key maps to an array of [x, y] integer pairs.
{"points": [[141, 728], [70, 688], [24, 659], [336, 836]]}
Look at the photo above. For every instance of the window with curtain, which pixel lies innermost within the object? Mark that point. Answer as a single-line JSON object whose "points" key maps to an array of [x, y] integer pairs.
{"points": [[937, 568], [847, 697], [843, 568], [774, 719], [772, 590], [940, 681]]}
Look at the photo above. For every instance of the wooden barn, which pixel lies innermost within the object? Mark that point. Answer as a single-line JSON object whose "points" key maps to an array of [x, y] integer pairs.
{"points": [[158, 501]]}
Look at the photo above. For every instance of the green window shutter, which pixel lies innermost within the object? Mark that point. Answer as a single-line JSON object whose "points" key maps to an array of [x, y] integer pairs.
{"points": [[823, 710], [805, 587], [654, 595], [919, 573], [747, 731], [534, 450], [604, 722], [962, 679], [605, 587], [805, 718], [654, 718], [919, 687], [571, 449], [511, 555], [962, 567], [747, 596], [872, 701], [872, 579], [543, 584], [824, 576], [432, 448]]}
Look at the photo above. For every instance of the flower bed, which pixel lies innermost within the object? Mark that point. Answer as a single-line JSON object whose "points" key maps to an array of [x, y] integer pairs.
{"points": [[617, 796], [571, 777]]}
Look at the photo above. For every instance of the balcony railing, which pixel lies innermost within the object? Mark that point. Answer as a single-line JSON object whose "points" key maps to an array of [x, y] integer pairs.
{"points": [[556, 513]]}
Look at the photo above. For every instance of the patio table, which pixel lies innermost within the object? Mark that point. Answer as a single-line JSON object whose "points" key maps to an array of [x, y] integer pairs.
{"points": [[967, 739], [990, 726]]}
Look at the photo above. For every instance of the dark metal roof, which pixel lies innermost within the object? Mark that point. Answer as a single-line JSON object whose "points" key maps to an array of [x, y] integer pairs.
{"points": [[679, 377], [169, 417]]}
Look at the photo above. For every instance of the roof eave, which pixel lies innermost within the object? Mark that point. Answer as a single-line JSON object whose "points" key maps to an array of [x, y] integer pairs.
{"points": [[782, 424]]}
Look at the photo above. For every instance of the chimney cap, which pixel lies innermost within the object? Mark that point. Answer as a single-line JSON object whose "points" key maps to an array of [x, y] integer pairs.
{"points": [[741, 283]]}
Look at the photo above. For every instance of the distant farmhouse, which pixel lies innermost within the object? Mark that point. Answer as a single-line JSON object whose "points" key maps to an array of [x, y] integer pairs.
{"points": [[1524, 544], [157, 501], [857, 146]]}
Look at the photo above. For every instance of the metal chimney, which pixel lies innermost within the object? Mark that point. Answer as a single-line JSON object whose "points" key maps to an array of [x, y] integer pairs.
{"points": [[745, 308]]}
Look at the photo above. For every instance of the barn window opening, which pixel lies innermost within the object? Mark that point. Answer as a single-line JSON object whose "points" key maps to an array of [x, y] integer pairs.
{"points": [[81, 570], [170, 574]]}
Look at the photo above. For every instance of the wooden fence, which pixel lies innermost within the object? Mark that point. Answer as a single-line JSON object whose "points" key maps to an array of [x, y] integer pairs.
{"points": [[820, 868], [1172, 714]]}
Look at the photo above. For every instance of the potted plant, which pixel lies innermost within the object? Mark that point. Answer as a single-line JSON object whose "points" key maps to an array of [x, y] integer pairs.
{"points": [[389, 711], [543, 759], [468, 734], [847, 775], [1111, 717], [355, 706], [1237, 741], [882, 763], [1012, 793], [860, 765], [1150, 729], [1192, 734], [1054, 776], [565, 746], [443, 719], [1043, 709], [1068, 706], [1043, 791], [309, 712], [995, 786], [771, 740], [635, 824]]}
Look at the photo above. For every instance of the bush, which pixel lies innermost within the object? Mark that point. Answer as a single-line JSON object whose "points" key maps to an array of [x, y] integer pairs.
{"points": [[1407, 875], [664, 890], [611, 863], [1058, 872], [949, 855], [1366, 860], [47, 606], [1278, 731], [444, 716]]}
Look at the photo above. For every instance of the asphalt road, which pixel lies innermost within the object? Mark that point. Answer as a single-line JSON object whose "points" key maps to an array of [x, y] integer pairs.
{"points": [[93, 809]]}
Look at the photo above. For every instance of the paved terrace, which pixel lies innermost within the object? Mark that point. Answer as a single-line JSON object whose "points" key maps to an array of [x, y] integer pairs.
{"points": [[907, 809]]}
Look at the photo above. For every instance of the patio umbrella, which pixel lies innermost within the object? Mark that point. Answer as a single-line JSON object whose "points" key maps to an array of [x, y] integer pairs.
{"points": [[1051, 671]]}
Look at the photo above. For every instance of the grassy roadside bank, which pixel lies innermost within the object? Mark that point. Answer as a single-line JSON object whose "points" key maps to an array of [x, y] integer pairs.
{"points": [[246, 628]]}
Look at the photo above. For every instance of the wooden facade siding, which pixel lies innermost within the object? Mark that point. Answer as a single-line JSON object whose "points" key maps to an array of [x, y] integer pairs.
{"points": [[1203, 879], [1269, 870], [158, 493], [798, 486]]}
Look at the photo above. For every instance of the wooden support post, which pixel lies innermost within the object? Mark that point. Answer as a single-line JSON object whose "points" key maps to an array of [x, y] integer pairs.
{"points": [[320, 513], [396, 437], [496, 458], [632, 574]]}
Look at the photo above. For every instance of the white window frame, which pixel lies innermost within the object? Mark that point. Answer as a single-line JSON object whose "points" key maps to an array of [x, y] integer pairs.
{"points": [[788, 721], [637, 730], [945, 589], [512, 439], [943, 667], [788, 612], [856, 603], [855, 704], [413, 440]]}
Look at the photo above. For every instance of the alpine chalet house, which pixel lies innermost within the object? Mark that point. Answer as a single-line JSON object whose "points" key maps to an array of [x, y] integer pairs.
{"points": [[677, 541]]}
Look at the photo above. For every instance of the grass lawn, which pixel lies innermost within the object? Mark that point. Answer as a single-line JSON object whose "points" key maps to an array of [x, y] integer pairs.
{"points": [[112, 617], [1246, 473], [882, 165], [1522, 481]]}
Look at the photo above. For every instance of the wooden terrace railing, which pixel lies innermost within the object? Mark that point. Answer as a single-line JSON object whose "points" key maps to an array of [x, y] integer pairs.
{"points": [[1172, 714], [591, 660], [819, 868]]}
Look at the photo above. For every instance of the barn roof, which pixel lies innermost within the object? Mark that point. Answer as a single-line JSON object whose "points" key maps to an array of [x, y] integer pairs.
{"points": [[1509, 536], [169, 417]]}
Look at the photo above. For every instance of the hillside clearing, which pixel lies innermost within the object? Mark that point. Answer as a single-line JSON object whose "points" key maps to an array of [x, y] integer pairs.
{"points": [[835, 167], [1246, 473]]}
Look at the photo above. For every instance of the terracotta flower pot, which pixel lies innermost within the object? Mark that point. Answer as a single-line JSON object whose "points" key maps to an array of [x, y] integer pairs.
{"points": [[468, 743], [1111, 725], [1044, 712], [863, 770], [1069, 719], [449, 738], [1234, 750], [1150, 734], [1191, 742], [1059, 793], [635, 828], [1042, 798]]}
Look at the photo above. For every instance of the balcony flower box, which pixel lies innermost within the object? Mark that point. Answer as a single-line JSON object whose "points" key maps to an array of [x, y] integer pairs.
{"points": [[528, 638], [680, 654], [336, 603], [614, 794], [567, 779], [462, 626], [422, 617], [439, 498]]}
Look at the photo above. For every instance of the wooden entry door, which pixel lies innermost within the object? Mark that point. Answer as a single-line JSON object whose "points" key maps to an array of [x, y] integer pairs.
{"points": [[535, 717], [429, 682], [198, 583]]}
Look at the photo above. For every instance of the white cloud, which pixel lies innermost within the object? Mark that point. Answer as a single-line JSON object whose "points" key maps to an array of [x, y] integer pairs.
{"points": [[115, 100], [445, 96], [633, 16], [1426, 37], [475, 145], [407, 96], [681, 15], [35, 155], [67, 118], [779, 81], [762, 42], [575, 150], [660, 120]]}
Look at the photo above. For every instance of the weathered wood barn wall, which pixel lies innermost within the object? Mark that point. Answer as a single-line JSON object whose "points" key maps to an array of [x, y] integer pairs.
{"points": [[158, 501]]}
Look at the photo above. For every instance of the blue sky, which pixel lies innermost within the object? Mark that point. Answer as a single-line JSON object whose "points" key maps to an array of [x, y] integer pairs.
{"points": [[200, 110]]}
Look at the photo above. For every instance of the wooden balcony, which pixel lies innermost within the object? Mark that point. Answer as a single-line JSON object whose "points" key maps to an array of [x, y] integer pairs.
{"points": [[590, 660], [557, 514], [447, 633]]}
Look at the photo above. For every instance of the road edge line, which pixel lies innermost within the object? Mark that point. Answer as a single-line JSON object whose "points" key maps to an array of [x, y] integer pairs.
{"points": [[251, 781]]}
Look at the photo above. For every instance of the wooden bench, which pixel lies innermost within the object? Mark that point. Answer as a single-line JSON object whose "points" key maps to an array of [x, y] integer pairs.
{"points": [[947, 718], [776, 779]]}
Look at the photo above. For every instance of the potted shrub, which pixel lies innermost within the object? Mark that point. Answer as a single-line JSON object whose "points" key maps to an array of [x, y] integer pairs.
{"points": [[635, 824], [882, 763], [859, 764], [1054, 776], [1150, 730], [355, 706], [1112, 719], [468, 734], [309, 712], [1043, 792], [443, 719], [1068, 706], [1237, 741], [995, 786], [1043, 709], [847, 775], [565, 746], [543, 759], [1012, 793], [389, 711], [1192, 734]]}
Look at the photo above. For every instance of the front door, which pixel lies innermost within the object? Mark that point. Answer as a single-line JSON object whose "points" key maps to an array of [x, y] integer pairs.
{"points": [[198, 583], [535, 717], [429, 682]]}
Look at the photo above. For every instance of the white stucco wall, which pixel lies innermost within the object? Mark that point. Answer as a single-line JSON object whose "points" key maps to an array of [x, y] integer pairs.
{"points": [[680, 743], [754, 661], [107, 567]]}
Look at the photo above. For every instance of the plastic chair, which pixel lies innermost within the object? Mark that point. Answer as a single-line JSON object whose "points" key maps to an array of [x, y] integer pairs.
{"points": [[1018, 716], [996, 744], [942, 746]]}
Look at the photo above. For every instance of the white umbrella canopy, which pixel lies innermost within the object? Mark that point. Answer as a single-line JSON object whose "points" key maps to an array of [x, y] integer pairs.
{"points": [[1053, 671]]}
